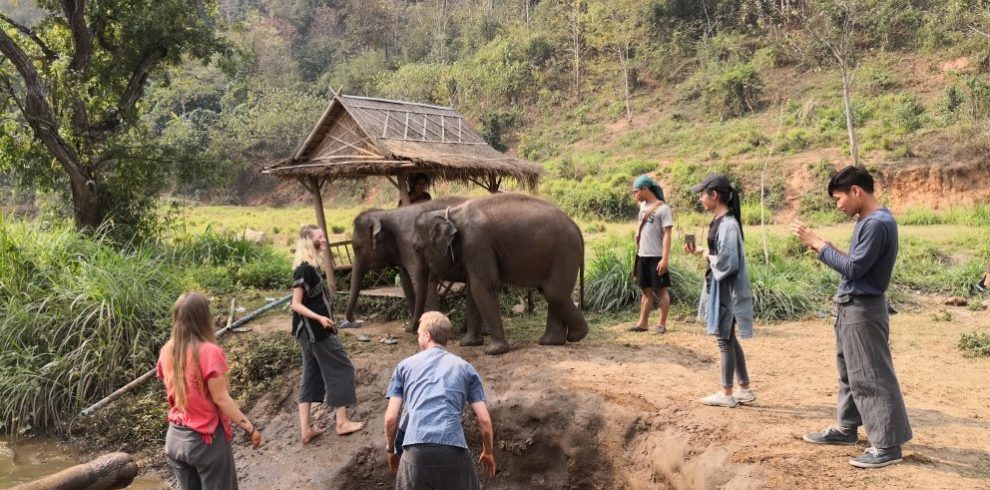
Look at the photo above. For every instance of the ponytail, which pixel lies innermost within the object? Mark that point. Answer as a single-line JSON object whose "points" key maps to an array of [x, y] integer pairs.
{"points": [[735, 209]]}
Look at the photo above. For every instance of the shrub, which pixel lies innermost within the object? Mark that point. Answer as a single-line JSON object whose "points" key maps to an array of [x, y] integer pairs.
{"points": [[733, 91], [590, 198], [257, 363], [975, 344], [784, 291], [909, 114]]}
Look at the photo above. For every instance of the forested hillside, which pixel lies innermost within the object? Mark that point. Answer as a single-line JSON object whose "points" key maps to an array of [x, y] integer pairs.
{"points": [[596, 90]]}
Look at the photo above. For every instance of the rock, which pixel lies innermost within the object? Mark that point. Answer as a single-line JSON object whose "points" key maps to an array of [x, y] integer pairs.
{"points": [[518, 309], [956, 301]]}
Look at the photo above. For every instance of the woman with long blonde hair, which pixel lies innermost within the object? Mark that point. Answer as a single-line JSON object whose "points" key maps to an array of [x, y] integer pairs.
{"points": [[327, 373], [200, 408]]}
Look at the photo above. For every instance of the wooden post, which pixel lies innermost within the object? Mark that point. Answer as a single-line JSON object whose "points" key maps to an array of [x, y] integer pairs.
{"points": [[402, 182], [315, 186]]}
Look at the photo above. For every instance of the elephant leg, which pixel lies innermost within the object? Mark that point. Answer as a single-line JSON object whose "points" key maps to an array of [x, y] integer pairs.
{"points": [[472, 324], [486, 299], [556, 331], [560, 303], [409, 291]]}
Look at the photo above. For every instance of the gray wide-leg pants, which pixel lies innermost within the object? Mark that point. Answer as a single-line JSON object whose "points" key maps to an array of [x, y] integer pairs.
{"points": [[869, 394]]}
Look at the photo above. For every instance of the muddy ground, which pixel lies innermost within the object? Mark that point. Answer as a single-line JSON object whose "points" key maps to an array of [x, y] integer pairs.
{"points": [[623, 413]]}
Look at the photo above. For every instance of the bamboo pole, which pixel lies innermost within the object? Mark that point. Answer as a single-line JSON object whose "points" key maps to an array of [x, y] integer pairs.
{"points": [[146, 376]]}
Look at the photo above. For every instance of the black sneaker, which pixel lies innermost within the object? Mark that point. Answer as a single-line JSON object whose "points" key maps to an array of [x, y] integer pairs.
{"points": [[878, 458], [831, 435]]}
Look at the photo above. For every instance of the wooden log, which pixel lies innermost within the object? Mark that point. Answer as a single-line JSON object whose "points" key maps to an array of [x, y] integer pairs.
{"points": [[114, 470]]}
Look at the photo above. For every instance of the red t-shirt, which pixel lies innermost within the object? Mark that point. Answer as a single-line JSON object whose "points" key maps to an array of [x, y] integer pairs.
{"points": [[201, 413]]}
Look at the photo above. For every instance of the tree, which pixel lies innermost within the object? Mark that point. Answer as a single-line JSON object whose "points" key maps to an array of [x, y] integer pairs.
{"points": [[78, 76], [833, 24], [615, 25]]}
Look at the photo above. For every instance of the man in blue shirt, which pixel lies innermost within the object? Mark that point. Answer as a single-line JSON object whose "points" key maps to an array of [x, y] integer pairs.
{"points": [[869, 393], [434, 385]]}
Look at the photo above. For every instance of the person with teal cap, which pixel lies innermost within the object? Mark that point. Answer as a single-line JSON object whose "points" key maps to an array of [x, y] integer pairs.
{"points": [[652, 265]]}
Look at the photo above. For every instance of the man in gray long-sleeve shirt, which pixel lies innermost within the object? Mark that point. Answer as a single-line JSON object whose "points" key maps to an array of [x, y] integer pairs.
{"points": [[869, 393]]}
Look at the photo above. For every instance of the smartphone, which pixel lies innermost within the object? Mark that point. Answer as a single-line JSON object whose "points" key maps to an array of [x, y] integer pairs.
{"points": [[689, 240]]}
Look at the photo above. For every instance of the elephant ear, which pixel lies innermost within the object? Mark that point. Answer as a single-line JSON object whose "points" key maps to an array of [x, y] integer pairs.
{"points": [[442, 235], [375, 229]]}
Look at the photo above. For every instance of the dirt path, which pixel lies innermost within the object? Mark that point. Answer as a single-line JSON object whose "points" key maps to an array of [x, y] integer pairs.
{"points": [[624, 414]]}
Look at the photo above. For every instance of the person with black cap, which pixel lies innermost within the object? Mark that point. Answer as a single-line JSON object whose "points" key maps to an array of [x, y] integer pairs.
{"points": [[726, 297], [869, 394]]}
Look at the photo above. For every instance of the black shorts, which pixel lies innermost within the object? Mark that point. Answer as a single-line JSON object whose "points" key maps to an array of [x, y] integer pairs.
{"points": [[646, 273]]}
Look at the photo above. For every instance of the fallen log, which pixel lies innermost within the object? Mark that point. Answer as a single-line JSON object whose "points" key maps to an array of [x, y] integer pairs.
{"points": [[148, 375], [114, 470]]}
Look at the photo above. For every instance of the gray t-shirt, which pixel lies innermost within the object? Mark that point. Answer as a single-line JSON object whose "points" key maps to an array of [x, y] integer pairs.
{"points": [[651, 239]]}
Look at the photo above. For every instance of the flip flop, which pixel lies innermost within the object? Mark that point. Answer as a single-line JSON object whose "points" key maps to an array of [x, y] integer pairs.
{"points": [[634, 328], [388, 339], [363, 338]]}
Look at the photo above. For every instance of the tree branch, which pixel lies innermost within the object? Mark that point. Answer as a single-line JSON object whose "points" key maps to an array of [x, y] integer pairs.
{"points": [[49, 54], [82, 38], [134, 90], [38, 112]]}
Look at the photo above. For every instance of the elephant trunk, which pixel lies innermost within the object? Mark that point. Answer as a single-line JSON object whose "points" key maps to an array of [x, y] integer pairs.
{"points": [[357, 275]]}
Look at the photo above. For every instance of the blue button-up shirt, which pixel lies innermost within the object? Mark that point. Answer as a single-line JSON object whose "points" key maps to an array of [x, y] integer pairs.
{"points": [[866, 270], [434, 386]]}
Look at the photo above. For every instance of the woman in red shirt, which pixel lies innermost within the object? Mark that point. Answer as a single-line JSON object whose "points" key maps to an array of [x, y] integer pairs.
{"points": [[193, 369]]}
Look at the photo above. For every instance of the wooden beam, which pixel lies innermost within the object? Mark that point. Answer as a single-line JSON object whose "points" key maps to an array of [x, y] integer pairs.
{"points": [[315, 186], [402, 182]]}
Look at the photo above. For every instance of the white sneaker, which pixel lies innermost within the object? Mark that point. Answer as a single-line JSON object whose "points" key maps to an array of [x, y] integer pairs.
{"points": [[744, 396], [719, 399]]}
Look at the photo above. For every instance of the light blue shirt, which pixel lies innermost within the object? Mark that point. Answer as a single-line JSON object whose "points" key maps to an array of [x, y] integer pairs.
{"points": [[434, 386]]}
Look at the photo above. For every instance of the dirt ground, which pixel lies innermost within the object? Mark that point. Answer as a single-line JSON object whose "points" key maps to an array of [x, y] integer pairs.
{"points": [[623, 413]]}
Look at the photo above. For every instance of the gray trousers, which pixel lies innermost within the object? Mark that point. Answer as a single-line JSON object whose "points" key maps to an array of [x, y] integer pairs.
{"points": [[198, 465], [733, 360], [327, 373], [436, 467], [869, 394]]}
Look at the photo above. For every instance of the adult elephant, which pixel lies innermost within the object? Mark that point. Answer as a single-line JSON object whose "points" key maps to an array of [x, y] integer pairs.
{"points": [[383, 238], [504, 239]]}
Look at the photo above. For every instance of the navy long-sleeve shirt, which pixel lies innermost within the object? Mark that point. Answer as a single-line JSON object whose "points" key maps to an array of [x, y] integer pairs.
{"points": [[867, 268]]}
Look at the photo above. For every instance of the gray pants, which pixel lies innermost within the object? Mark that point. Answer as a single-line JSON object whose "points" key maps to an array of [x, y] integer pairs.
{"points": [[869, 394], [198, 465], [436, 467], [733, 360], [327, 373]]}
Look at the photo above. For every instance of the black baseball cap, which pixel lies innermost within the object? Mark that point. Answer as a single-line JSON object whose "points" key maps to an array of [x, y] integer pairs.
{"points": [[717, 181]]}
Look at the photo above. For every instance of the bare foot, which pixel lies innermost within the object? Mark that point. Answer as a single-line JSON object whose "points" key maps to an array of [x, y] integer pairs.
{"points": [[311, 434], [349, 427]]}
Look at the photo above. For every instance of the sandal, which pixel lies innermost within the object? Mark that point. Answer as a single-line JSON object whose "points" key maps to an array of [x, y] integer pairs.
{"points": [[635, 328], [363, 338]]}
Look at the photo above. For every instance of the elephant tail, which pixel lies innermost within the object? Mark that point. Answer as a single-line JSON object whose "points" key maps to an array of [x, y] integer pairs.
{"points": [[581, 279]]}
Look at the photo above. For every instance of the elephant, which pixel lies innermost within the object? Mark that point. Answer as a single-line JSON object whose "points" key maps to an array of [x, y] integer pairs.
{"points": [[504, 239], [383, 238]]}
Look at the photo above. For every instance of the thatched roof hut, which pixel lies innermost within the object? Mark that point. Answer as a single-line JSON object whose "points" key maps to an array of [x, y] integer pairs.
{"points": [[359, 137]]}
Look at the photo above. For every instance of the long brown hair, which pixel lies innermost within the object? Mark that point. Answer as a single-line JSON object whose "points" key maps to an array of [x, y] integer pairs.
{"points": [[191, 327]]}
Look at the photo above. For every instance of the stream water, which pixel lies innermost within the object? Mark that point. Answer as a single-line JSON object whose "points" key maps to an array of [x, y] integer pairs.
{"points": [[25, 460]]}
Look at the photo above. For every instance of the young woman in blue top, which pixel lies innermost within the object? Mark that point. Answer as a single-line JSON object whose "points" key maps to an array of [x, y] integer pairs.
{"points": [[726, 298]]}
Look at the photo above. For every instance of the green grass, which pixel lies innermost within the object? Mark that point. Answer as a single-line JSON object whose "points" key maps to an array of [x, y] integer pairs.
{"points": [[976, 344], [82, 316]]}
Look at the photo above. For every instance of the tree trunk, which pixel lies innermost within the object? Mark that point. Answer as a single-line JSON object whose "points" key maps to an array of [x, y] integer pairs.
{"points": [[624, 62], [576, 39], [850, 124]]}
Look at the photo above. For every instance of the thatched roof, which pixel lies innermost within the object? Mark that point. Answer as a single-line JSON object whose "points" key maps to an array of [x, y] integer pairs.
{"points": [[359, 137]]}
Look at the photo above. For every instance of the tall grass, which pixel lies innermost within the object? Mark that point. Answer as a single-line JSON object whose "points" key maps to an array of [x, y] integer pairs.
{"points": [[978, 215], [611, 286], [79, 318]]}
